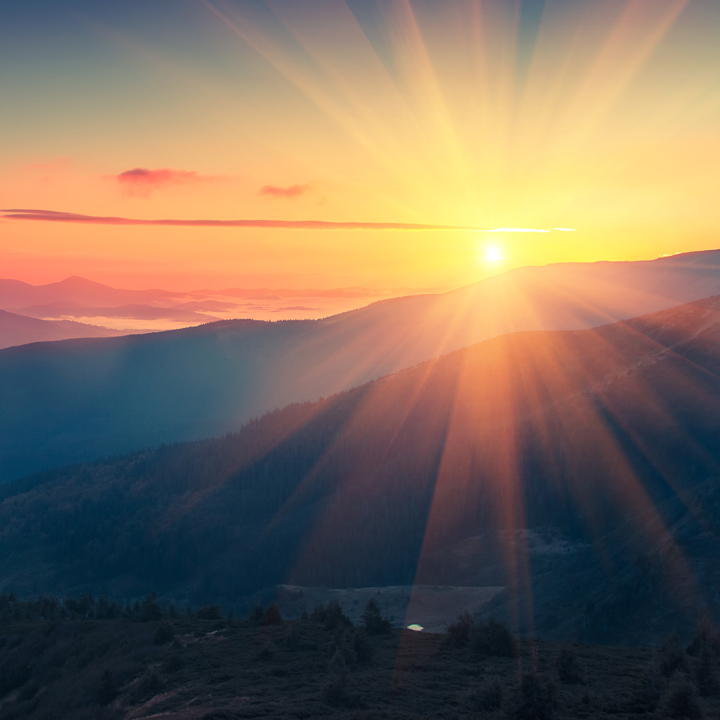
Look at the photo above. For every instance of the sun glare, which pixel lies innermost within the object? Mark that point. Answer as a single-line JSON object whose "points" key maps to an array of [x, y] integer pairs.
{"points": [[493, 253]]}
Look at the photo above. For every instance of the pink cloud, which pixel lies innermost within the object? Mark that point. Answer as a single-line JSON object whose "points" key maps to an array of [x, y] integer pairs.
{"points": [[141, 182], [285, 192], [67, 217]]}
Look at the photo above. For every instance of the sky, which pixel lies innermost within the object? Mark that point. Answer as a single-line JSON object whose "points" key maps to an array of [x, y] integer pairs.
{"points": [[413, 134]]}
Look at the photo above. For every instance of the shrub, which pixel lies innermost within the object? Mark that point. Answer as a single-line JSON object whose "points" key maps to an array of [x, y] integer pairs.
{"points": [[150, 610], [373, 621], [493, 638], [292, 639], [535, 698], [704, 674], [705, 637], [461, 631], [272, 616], [681, 700], [28, 692], [209, 612], [487, 697], [331, 616], [335, 692], [568, 668], [174, 663], [257, 615], [107, 691], [651, 690], [672, 657], [364, 651], [13, 675], [164, 634], [149, 686]]}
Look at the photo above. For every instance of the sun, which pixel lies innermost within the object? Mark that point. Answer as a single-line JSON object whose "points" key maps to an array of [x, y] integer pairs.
{"points": [[493, 253]]}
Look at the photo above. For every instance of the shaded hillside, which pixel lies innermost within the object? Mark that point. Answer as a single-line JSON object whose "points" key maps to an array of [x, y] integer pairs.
{"points": [[82, 659], [77, 401], [18, 330], [603, 442]]}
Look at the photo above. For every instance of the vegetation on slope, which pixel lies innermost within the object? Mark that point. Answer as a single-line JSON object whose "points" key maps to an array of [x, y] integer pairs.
{"points": [[84, 658]]}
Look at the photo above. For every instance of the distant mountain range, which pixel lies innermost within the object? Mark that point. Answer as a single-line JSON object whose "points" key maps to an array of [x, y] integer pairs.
{"points": [[78, 400], [578, 469], [19, 330], [39, 313], [16, 294], [102, 305], [140, 312]]}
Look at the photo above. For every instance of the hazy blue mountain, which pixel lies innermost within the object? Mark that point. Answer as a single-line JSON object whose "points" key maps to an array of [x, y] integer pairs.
{"points": [[77, 400], [579, 469]]}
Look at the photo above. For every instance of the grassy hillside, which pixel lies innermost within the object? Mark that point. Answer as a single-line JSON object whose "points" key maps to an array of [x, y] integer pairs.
{"points": [[87, 659]]}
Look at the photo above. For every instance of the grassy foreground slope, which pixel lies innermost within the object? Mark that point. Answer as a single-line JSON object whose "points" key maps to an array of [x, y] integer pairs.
{"points": [[144, 664]]}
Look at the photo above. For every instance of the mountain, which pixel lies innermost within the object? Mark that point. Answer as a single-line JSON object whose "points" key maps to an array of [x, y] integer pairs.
{"points": [[159, 310], [580, 470], [79, 400], [19, 330], [135, 311], [15, 294]]}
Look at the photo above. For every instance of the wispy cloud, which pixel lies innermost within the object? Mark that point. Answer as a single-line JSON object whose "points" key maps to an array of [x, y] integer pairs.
{"points": [[67, 217], [142, 182], [518, 230], [292, 191]]}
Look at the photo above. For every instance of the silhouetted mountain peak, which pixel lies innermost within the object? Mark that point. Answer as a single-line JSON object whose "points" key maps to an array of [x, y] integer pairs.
{"points": [[75, 281]]}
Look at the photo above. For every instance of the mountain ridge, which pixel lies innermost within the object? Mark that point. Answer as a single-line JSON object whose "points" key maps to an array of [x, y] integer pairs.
{"points": [[203, 381], [603, 439]]}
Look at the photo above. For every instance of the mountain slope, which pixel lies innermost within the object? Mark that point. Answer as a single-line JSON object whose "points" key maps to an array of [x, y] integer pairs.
{"points": [[581, 465], [19, 330], [79, 400]]}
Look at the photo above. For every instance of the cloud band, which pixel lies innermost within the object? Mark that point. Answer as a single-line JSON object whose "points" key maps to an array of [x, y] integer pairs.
{"points": [[66, 217]]}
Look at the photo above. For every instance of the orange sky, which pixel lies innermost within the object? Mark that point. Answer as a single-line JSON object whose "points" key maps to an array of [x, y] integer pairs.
{"points": [[599, 117]]}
